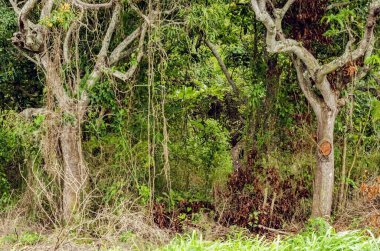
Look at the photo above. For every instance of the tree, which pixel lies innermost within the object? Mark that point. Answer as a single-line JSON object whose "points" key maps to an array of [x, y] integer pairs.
{"points": [[57, 44], [312, 78]]}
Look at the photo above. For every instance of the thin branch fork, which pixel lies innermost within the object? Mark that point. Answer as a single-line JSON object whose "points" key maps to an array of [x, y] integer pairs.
{"points": [[100, 64], [289, 45], [317, 72], [117, 53], [15, 7], [131, 71], [26, 9], [274, 30], [138, 11], [306, 85], [108, 36], [363, 47]]}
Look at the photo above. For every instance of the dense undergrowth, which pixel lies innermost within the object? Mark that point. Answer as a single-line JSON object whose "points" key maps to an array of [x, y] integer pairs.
{"points": [[317, 235]]}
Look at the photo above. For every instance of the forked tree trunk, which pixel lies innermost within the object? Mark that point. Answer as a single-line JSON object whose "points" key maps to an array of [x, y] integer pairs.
{"points": [[324, 172], [74, 172]]}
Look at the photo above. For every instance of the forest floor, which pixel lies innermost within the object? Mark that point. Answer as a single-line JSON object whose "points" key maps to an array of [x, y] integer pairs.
{"points": [[357, 227], [315, 235]]}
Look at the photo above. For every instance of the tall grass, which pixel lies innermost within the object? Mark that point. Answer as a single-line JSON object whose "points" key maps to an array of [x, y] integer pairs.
{"points": [[316, 237]]}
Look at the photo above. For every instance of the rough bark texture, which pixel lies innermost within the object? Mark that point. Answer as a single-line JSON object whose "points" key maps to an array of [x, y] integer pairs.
{"points": [[324, 171], [74, 174]]}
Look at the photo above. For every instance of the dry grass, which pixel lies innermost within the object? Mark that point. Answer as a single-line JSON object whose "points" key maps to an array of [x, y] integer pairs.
{"points": [[363, 210], [110, 229]]}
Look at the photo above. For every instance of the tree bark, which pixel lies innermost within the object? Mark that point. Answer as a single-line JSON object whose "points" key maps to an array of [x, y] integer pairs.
{"points": [[324, 172], [74, 171]]}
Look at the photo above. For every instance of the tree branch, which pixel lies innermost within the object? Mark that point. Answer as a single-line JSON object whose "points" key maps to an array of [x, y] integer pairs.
{"points": [[111, 28], [28, 7], [363, 47], [67, 40], [29, 113], [84, 5], [131, 71], [306, 86], [100, 64], [46, 10], [222, 66], [117, 54], [285, 9], [274, 30], [15, 7], [124, 54], [137, 10]]}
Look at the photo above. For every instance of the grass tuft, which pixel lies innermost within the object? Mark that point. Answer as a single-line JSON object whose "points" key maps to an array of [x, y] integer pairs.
{"points": [[318, 236]]}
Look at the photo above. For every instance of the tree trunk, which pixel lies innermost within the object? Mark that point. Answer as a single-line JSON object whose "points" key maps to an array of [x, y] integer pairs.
{"points": [[324, 172], [74, 172]]}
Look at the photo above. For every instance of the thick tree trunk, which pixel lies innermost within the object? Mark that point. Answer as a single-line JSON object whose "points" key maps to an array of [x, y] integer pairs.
{"points": [[324, 172], [74, 172]]}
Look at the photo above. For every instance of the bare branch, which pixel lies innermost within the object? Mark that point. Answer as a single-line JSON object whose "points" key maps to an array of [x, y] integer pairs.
{"points": [[124, 54], [46, 10], [222, 66], [285, 9], [29, 113], [66, 42], [306, 86], [15, 7], [28, 7], [116, 54], [131, 71], [100, 64], [84, 5], [168, 12], [363, 47], [28, 57], [366, 68], [111, 28], [137, 10], [274, 30]]}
